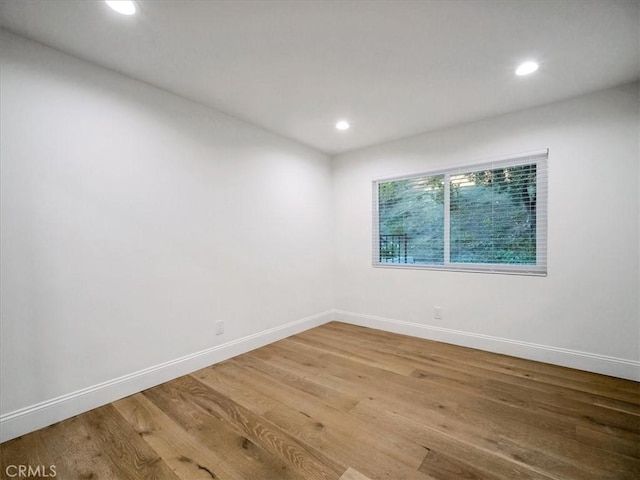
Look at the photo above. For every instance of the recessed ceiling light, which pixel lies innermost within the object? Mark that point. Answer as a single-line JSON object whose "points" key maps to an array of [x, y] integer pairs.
{"points": [[526, 68], [342, 125], [125, 7]]}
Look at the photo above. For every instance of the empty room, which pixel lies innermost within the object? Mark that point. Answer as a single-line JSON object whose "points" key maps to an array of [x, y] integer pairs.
{"points": [[320, 239]]}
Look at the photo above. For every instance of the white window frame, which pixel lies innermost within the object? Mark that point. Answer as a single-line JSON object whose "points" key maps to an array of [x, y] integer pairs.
{"points": [[538, 157]]}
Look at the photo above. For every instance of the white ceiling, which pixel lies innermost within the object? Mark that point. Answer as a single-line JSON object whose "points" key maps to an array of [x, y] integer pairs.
{"points": [[392, 68]]}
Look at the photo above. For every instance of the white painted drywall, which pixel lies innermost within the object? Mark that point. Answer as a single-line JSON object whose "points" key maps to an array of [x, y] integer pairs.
{"points": [[133, 220], [589, 300]]}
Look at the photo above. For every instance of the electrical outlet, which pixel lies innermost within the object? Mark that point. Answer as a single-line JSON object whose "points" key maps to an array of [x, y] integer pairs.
{"points": [[437, 313], [219, 327]]}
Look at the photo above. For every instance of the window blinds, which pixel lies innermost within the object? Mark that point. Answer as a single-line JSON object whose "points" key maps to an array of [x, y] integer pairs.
{"points": [[487, 217]]}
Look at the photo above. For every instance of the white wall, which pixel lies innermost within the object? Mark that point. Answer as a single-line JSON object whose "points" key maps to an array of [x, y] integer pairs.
{"points": [[585, 313], [132, 220]]}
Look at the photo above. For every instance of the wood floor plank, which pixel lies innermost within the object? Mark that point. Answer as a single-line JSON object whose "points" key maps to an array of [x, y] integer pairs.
{"points": [[622, 425], [373, 352], [216, 435], [352, 474], [129, 455], [76, 451], [488, 412], [351, 376], [609, 442], [542, 430], [535, 408], [438, 394], [461, 450], [353, 355], [29, 451], [435, 363], [260, 431], [524, 422], [326, 395], [342, 402], [350, 448], [542, 373], [218, 378], [185, 454], [599, 384]]}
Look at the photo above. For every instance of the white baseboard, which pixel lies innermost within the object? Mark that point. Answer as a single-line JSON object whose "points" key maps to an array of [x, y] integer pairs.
{"points": [[591, 362], [34, 417]]}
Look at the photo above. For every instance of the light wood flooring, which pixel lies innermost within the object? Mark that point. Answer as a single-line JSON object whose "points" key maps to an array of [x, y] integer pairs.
{"points": [[350, 403]]}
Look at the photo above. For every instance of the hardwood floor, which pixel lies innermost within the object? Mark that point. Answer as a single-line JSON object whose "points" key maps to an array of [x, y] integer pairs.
{"points": [[350, 403]]}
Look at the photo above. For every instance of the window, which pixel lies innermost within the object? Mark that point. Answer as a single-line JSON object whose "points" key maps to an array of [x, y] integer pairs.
{"points": [[489, 217]]}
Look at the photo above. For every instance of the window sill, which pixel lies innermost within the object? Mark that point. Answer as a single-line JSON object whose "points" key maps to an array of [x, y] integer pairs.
{"points": [[528, 270]]}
